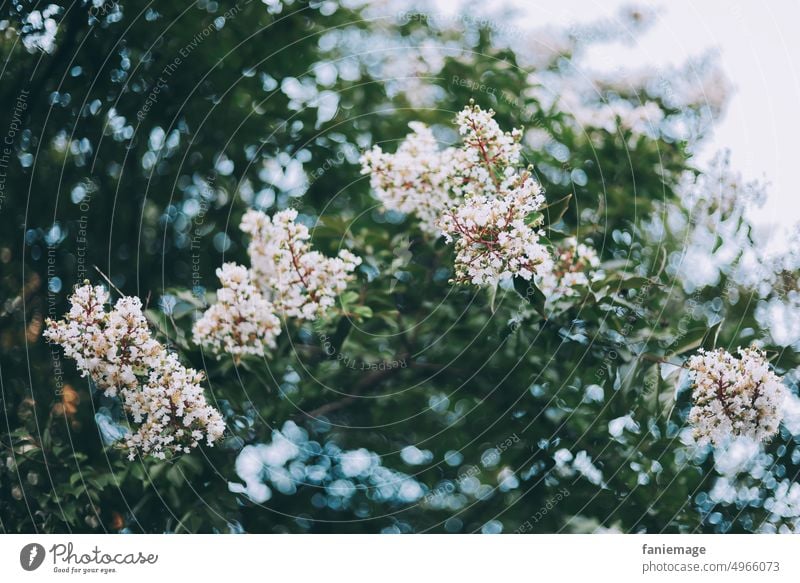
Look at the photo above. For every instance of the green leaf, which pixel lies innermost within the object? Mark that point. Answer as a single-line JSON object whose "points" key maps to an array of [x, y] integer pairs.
{"points": [[717, 244], [662, 264], [621, 281], [547, 243], [158, 469], [187, 296], [534, 218], [492, 297], [532, 294], [709, 341], [652, 388], [175, 476], [362, 311], [689, 341], [348, 298], [340, 335], [635, 282], [554, 211], [182, 309]]}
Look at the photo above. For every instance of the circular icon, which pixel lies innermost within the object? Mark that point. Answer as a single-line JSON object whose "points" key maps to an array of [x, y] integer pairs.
{"points": [[31, 556]]}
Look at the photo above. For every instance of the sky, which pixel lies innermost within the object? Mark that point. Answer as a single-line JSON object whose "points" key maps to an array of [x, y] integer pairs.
{"points": [[759, 50]]}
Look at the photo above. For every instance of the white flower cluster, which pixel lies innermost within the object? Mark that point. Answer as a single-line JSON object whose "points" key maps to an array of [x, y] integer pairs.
{"points": [[116, 349], [493, 241], [477, 198], [490, 154], [39, 29], [171, 409], [289, 462], [242, 321], [415, 180], [496, 230], [574, 264], [718, 192], [567, 465], [300, 282], [542, 47], [286, 278], [640, 119], [734, 397], [473, 195]]}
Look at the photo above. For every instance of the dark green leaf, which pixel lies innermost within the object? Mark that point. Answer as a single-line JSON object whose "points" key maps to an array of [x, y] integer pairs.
{"points": [[717, 244], [555, 210], [709, 341], [689, 341], [532, 294]]}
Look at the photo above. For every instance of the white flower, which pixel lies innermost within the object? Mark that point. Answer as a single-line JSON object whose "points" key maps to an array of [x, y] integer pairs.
{"points": [[115, 348], [108, 346], [734, 397], [496, 230], [39, 29], [587, 113], [489, 154], [286, 278], [479, 200], [172, 411], [425, 181], [573, 264], [494, 238], [242, 321], [474, 196], [415, 180], [300, 282]]}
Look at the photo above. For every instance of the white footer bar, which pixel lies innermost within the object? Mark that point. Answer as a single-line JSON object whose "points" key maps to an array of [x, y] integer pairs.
{"points": [[387, 558]]}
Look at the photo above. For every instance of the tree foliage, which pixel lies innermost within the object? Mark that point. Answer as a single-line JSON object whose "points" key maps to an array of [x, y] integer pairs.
{"points": [[140, 136]]}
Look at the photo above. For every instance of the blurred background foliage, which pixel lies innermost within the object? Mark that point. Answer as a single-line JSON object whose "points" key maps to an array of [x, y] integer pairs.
{"points": [[136, 135]]}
